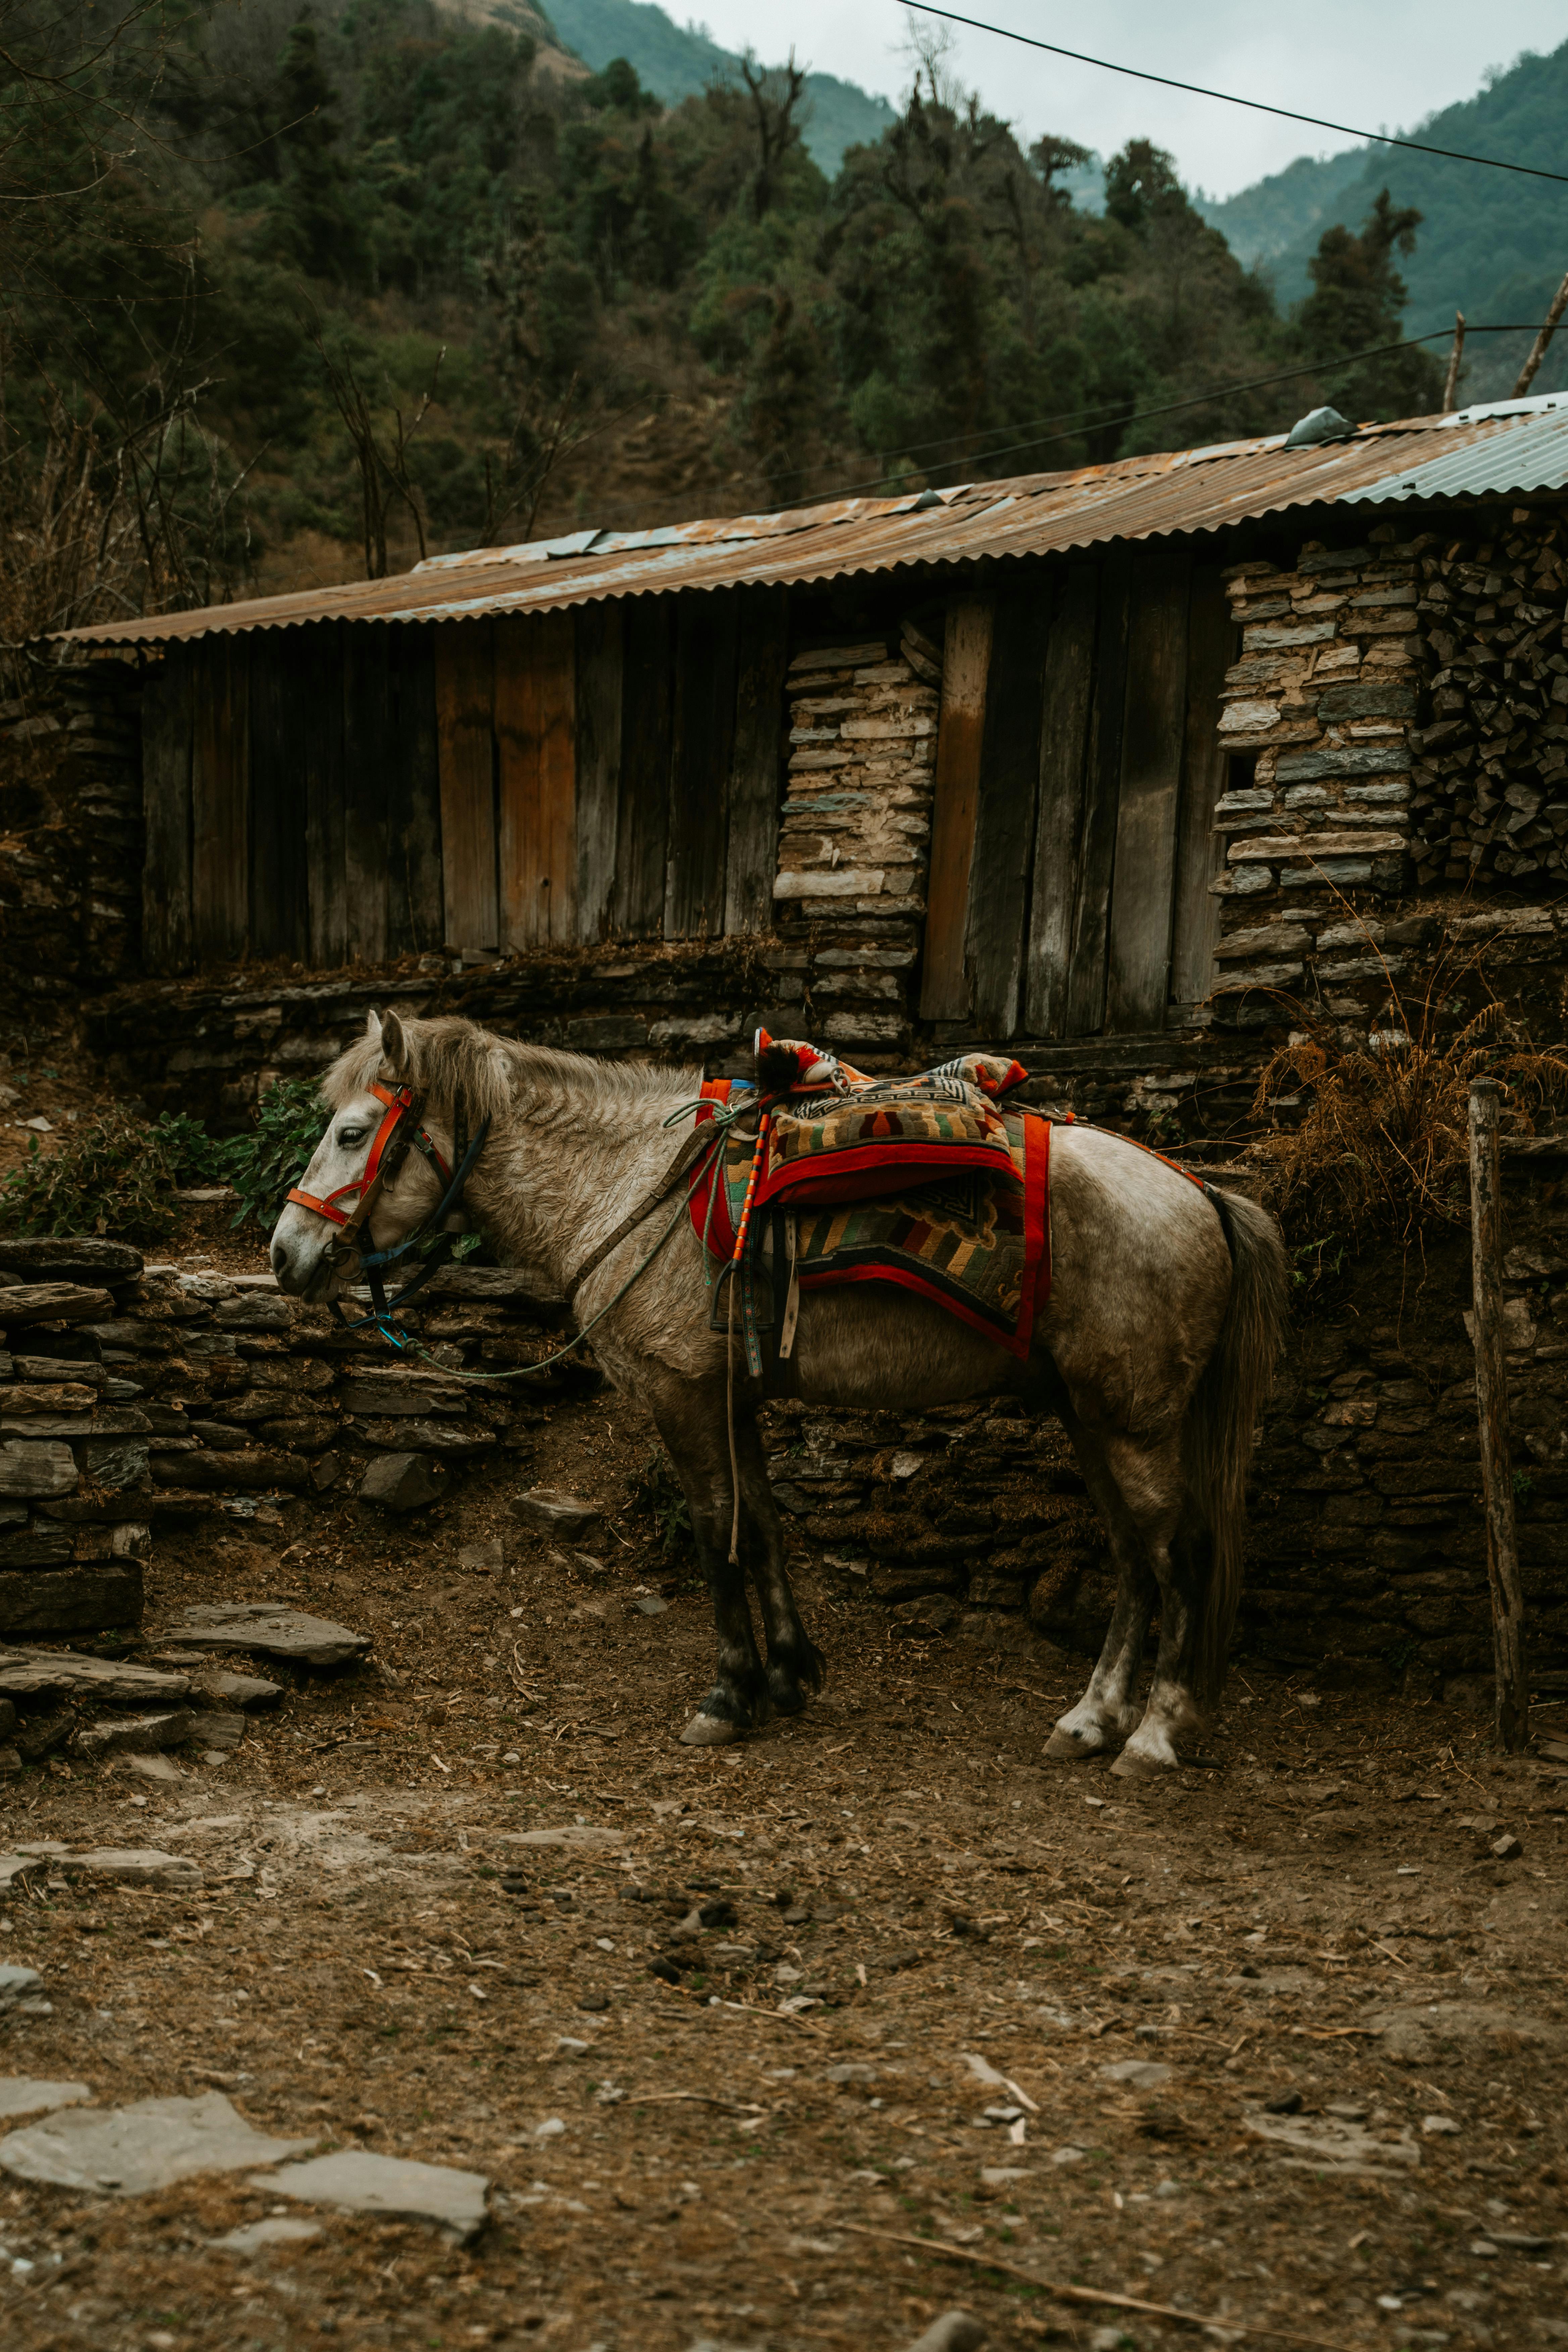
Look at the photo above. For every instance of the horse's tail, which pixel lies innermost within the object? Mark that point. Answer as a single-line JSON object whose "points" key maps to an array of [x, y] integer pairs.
{"points": [[1223, 1417]]}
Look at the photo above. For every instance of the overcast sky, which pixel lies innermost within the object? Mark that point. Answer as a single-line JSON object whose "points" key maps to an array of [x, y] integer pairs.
{"points": [[1378, 67]]}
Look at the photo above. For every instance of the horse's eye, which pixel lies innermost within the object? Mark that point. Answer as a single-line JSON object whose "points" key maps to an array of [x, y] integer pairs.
{"points": [[348, 1136]]}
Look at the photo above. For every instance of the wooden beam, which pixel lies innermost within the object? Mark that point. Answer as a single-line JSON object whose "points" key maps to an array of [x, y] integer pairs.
{"points": [[642, 821], [415, 915], [1004, 816], [318, 662], [1102, 779], [1491, 1405], [1200, 851], [1066, 708], [220, 800], [465, 734], [166, 732], [599, 722], [756, 774], [536, 727], [1153, 731], [966, 661], [371, 756], [280, 902], [702, 746]]}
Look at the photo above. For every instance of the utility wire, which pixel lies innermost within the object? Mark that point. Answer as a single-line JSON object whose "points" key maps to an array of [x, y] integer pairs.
{"points": [[1228, 98], [1086, 417]]}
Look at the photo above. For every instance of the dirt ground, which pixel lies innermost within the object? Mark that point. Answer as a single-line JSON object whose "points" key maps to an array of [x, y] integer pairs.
{"points": [[820, 2040]]}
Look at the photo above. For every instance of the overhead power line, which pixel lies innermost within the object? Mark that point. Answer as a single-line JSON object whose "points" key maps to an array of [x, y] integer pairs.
{"points": [[1074, 422], [1228, 98]]}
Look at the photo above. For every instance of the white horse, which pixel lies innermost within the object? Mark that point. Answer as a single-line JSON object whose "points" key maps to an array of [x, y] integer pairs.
{"points": [[1156, 1348]]}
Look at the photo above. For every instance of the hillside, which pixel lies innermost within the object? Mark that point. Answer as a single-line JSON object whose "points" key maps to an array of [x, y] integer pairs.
{"points": [[1492, 244], [676, 62]]}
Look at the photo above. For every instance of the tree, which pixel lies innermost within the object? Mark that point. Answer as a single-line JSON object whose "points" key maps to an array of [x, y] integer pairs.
{"points": [[1356, 303], [775, 94]]}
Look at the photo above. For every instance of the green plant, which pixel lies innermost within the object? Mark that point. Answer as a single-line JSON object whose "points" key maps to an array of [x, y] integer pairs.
{"points": [[113, 1175], [1523, 1486], [656, 1490], [262, 1165], [196, 1157]]}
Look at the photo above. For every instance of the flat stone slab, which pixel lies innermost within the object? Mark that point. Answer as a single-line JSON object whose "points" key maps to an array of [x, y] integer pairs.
{"points": [[133, 1866], [1138, 2073], [217, 1730], [18, 1984], [364, 2183], [133, 2149], [237, 1690], [115, 1734], [22, 2094], [25, 1672], [574, 1835], [556, 1513], [277, 2229], [1329, 2143], [16, 1869], [263, 1625]]}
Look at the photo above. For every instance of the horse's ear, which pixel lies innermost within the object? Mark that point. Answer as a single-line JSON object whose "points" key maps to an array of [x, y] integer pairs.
{"points": [[373, 1024], [393, 1043]]}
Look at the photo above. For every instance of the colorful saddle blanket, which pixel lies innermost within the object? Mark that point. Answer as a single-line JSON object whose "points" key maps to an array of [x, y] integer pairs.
{"points": [[920, 1181]]}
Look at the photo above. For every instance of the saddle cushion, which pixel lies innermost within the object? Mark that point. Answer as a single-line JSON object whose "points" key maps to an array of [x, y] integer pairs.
{"points": [[974, 1237], [838, 1136]]}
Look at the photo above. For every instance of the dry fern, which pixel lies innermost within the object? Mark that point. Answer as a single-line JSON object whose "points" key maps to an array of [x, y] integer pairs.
{"points": [[1381, 1148]]}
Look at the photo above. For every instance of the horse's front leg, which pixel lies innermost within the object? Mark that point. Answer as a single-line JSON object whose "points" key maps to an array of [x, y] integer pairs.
{"points": [[693, 1429], [796, 1664]]}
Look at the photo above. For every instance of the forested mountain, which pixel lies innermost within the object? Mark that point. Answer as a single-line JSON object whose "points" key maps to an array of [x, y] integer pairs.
{"points": [[287, 293], [1492, 244], [675, 61]]}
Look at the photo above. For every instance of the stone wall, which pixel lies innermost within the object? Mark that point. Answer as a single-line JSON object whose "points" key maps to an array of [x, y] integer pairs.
{"points": [[70, 836], [133, 1396]]}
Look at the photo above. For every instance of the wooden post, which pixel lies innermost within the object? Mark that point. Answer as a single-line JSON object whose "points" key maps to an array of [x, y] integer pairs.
{"points": [[1491, 1402], [1451, 382]]}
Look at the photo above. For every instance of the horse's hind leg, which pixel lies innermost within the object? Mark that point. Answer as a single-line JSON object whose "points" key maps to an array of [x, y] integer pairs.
{"points": [[693, 1429], [1173, 1719], [796, 1664], [1107, 1712]]}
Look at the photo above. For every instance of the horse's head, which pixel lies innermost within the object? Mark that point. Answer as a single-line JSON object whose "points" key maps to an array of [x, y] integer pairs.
{"points": [[362, 1142]]}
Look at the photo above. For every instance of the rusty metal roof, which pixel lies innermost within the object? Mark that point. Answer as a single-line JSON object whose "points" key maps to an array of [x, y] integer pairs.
{"points": [[1172, 491]]}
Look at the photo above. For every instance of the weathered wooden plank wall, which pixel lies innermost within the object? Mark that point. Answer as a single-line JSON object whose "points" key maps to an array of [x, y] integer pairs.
{"points": [[341, 793], [1076, 772]]}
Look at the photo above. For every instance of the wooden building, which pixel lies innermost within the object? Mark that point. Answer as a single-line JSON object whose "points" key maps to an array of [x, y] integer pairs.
{"points": [[610, 738]]}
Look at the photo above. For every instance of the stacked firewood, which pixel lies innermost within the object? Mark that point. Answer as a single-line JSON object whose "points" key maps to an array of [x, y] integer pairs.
{"points": [[1492, 775]]}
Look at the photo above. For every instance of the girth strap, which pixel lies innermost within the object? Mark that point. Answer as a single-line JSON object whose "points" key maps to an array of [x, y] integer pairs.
{"points": [[701, 1139]]}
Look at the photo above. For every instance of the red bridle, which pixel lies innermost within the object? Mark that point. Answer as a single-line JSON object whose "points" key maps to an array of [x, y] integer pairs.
{"points": [[399, 1106]]}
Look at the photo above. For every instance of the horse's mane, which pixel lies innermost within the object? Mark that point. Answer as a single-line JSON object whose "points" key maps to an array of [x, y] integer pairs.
{"points": [[449, 1056]]}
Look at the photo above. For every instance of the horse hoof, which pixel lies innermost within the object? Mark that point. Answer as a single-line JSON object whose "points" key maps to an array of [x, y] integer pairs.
{"points": [[1131, 1765], [1066, 1747], [709, 1731]]}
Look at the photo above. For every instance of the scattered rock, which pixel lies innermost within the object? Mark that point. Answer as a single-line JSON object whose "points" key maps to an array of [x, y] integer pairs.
{"points": [[405, 1482], [268, 1625], [27, 1673], [133, 2149], [277, 2229], [1066, 2156], [573, 1833], [363, 2183], [648, 1604], [16, 1869], [482, 1559], [1138, 2073], [1434, 2125], [20, 2094], [121, 1735], [956, 2331], [594, 2000], [133, 1866], [1506, 1848], [239, 1690], [1325, 2143], [151, 1768], [556, 1514], [18, 1984], [217, 1732]]}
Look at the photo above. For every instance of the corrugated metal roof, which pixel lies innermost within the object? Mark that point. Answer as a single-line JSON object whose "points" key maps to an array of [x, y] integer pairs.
{"points": [[1530, 455], [1152, 496]]}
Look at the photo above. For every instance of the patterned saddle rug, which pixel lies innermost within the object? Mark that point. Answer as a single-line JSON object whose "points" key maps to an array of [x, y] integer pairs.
{"points": [[926, 1182]]}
